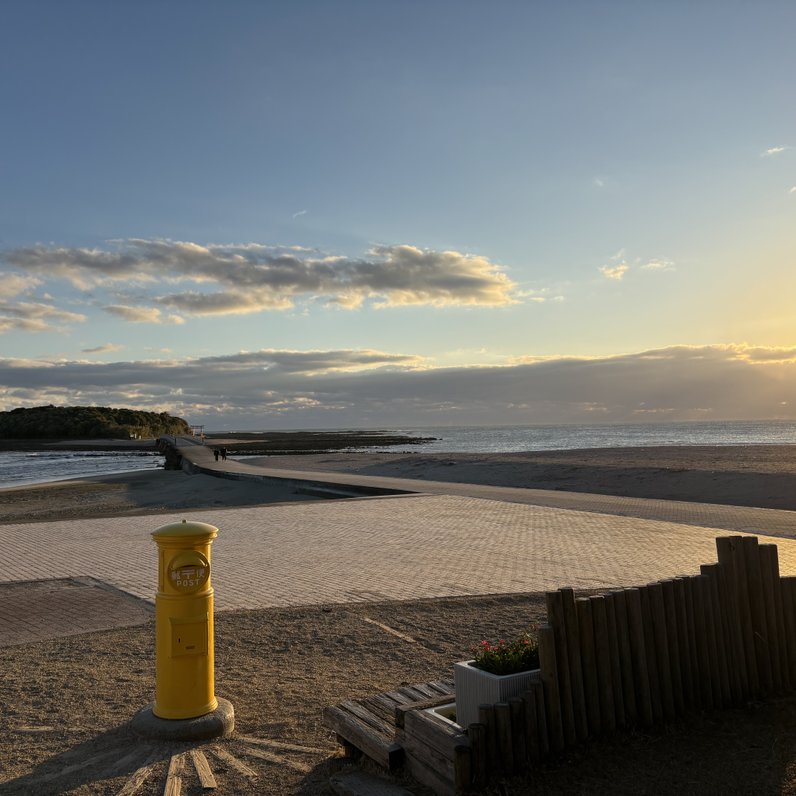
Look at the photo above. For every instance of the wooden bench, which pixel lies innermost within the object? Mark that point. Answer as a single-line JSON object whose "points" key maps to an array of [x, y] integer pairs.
{"points": [[370, 725]]}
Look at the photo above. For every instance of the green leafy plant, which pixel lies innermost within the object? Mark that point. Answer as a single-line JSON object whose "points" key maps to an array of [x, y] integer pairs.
{"points": [[508, 657]]}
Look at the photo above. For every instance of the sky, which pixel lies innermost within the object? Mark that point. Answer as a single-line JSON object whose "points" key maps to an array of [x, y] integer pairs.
{"points": [[375, 214]]}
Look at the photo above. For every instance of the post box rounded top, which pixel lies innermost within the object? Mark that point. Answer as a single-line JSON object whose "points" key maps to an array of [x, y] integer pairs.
{"points": [[185, 528]]}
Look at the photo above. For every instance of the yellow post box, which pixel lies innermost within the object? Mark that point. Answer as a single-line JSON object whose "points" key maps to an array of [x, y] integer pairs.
{"points": [[184, 675]]}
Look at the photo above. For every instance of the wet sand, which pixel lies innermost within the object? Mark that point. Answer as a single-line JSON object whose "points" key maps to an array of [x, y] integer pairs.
{"points": [[762, 476], [148, 492]]}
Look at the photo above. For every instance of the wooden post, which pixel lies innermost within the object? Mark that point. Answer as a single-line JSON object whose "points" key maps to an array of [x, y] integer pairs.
{"points": [[541, 720], [641, 683], [747, 620], [575, 665], [615, 657], [672, 637], [462, 768], [730, 554], [736, 663], [652, 655], [602, 652], [721, 610], [710, 627], [716, 635], [531, 726], [625, 656], [703, 647], [683, 642], [588, 656], [696, 681], [658, 609], [767, 581], [549, 672], [505, 746], [486, 716], [789, 607], [518, 733], [555, 618], [787, 680], [751, 557], [769, 565], [480, 770]]}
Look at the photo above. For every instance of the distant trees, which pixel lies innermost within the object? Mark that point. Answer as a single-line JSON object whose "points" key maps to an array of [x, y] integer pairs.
{"points": [[87, 422]]}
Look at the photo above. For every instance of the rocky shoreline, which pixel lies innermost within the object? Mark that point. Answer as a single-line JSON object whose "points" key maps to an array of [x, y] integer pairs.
{"points": [[255, 443]]}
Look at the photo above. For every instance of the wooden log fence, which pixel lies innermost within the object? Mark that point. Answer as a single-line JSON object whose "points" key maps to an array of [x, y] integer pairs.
{"points": [[643, 656]]}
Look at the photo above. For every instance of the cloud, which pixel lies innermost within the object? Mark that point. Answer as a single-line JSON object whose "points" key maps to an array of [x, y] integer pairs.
{"points": [[758, 354], [252, 277], [617, 271], [793, 189], [619, 266], [299, 213], [134, 314], [224, 303], [12, 285], [141, 314], [35, 317], [658, 264], [293, 389], [774, 150], [103, 349]]}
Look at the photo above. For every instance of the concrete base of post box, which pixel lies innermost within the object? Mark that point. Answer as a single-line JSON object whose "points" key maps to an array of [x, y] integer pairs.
{"points": [[217, 724]]}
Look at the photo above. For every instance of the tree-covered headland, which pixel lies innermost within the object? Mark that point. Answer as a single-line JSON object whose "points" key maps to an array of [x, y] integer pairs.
{"points": [[87, 422]]}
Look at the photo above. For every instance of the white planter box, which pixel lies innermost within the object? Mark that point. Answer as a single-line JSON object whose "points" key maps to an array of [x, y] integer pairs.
{"points": [[446, 713], [476, 687]]}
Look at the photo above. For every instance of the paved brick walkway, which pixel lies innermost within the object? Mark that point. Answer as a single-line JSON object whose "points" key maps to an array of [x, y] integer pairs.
{"points": [[46, 609], [379, 548], [440, 539]]}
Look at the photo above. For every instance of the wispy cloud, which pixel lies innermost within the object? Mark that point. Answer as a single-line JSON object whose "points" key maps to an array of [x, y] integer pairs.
{"points": [[616, 271], [658, 264], [141, 314], [27, 316], [793, 189], [299, 213], [774, 150], [619, 266], [249, 278], [108, 348], [13, 284]]}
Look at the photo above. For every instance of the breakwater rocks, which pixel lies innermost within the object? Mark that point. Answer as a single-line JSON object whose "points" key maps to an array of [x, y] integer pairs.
{"points": [[279, 443], [170, 452]]}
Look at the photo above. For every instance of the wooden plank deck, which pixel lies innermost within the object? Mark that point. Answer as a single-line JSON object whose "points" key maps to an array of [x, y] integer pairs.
{"points": [[370, 724]]}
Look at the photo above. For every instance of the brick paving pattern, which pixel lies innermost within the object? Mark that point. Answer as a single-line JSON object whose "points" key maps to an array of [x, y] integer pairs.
{"points": [[379, 548], [446, 539], [53, 608]]}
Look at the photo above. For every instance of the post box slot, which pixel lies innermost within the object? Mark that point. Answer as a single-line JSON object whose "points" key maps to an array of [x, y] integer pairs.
{"points": [[189, 635]]}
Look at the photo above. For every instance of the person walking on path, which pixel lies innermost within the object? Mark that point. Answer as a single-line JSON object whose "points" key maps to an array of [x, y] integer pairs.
{"points": [[215, 453], [224, 454]]}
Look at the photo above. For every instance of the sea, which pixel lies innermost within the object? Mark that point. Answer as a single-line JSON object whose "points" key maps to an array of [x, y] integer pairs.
{"points": [[21, 468], [18, 468]]}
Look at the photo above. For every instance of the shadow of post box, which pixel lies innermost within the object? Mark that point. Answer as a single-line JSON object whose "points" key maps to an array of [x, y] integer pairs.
{"points": [[184, 674]]}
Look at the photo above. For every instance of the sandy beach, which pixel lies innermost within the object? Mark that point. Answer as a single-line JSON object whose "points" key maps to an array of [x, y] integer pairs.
{"points": [[762, 476], [66, 701], [149, 492]]}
